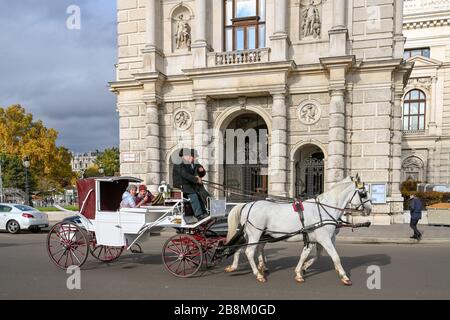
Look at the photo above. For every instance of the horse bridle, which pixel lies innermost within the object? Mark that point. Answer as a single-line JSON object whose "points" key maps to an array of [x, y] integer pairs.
{"points": [[362, 193]]}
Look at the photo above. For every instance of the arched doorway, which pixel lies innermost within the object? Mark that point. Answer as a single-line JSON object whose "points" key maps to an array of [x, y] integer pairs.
{"points": [[246, 155], [309, 172]]}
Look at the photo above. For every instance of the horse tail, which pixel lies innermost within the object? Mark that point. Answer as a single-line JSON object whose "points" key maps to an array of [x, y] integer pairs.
{"points": [[234, 218]]}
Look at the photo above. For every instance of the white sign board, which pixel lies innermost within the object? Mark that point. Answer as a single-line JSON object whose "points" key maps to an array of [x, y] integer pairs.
{"points": [[378, 193], [129, 157]]}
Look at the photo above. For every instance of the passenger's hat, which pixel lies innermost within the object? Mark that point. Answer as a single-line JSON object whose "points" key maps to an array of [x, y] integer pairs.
{"points": [[142, 187]]}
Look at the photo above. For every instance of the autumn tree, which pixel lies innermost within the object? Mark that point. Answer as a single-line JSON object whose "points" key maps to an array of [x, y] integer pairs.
{"points": [[109, 160], [22, 136]]}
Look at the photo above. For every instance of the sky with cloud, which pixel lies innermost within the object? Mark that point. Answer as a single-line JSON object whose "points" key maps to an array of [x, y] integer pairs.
{"points": [[58, 74]]}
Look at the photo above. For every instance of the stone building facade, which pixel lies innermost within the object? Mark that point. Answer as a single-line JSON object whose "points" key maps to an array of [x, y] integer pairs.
{"points": [[325, 78], [426, 141], [81, 161]]}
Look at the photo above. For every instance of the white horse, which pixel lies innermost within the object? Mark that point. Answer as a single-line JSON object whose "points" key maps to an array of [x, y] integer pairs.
{"points": [[280, 220]]}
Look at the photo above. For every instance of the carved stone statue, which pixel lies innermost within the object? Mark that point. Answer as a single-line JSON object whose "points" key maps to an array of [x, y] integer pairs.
{"points": [[311, 20], [183, 34]]}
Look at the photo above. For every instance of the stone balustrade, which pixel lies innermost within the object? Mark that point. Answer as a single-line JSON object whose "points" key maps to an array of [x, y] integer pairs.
{"points": [[413, 132], [238, 57]]}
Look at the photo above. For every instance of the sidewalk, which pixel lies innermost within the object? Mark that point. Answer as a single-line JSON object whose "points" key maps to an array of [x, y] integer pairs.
{"points": [[395, 233]]}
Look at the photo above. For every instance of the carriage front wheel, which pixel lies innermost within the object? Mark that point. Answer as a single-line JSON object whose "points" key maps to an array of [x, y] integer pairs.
{"points": [[182, 255], [67, 245]]}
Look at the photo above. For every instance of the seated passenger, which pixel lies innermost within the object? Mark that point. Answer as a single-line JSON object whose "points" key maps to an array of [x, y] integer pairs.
{"points": [[128, 197], [144, 197]]}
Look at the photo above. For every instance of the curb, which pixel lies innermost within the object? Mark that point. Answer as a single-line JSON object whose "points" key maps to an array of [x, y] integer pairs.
{"points": [[376, 240]]}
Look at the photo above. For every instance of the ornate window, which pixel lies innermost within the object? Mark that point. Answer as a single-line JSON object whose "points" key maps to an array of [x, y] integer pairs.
{"points": [[414, 107], [245, 24]]}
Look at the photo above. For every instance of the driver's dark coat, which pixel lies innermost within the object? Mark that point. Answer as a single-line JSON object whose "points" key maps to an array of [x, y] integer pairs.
{"points": [[185, 177]]}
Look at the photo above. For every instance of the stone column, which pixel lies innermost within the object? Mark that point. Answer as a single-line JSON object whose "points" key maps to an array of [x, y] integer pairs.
{"points": [[278, 150], [432, 126], [200, 46], [151, 55], [201, 134], [279, 40], [338, 34], [336, 137], [153, 146]]}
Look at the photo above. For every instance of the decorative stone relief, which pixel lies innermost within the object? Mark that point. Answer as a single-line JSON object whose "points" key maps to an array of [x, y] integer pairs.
{"points": [[182, 120], [413, 168], [311, 22], [181, 29], [309, 113]]}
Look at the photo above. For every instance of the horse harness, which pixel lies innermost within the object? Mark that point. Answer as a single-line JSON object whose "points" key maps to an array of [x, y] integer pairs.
{"points": [[305, 230]]}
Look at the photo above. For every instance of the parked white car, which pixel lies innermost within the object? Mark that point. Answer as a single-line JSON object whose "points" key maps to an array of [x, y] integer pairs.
{"points": [[16, 217]]}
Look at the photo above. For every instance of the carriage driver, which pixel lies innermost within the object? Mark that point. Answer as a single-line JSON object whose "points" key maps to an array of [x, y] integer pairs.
{"points": [[188, 177]]}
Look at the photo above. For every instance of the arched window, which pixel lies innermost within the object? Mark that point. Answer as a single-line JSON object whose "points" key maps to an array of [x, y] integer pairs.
{"points": [[245, 24], [414, 107]]}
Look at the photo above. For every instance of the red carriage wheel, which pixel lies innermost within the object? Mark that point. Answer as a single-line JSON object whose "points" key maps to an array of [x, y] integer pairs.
{"points": [[182, 255], [104, 253], [210, 245], [67, 245]]}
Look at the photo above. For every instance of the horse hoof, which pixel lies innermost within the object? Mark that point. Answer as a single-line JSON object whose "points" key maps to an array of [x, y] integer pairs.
{"points": [[261, 279], [229, 269], [346, 282], [299, 279]]}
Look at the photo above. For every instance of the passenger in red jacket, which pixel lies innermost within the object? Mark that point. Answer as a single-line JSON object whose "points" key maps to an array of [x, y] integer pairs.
{"points": [[144, 197]]}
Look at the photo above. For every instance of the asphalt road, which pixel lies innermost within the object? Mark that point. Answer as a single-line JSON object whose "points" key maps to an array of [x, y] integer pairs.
{"points": [[407, 272]]}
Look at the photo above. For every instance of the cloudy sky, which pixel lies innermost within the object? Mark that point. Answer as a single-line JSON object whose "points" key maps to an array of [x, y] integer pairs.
{"points": [[58, 74]]}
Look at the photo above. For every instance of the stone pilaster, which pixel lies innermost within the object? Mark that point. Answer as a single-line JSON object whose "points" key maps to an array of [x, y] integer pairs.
{"points": [[432, 126], [278, 150], [338, 34], [200, 46], [399, 39], [280, 40], [153, 147], [151, 55]]}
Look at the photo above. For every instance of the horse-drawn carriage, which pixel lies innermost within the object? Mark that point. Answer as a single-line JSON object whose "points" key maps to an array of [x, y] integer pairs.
{"points": [[106, 230]]}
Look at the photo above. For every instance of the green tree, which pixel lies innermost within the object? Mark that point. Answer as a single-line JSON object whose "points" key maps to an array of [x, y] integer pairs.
{"points": [[13, 173], [109, 160]]}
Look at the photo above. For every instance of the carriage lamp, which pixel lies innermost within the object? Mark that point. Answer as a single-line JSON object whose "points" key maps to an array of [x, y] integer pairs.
{"points": [[26, 164], [101, 170]]}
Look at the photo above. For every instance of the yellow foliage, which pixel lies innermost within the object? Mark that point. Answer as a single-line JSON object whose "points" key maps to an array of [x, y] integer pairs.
{"points": [[21, 136]]}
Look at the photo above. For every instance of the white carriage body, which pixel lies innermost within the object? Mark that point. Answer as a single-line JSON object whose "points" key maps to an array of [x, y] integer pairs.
{"points": [[116, 227]]}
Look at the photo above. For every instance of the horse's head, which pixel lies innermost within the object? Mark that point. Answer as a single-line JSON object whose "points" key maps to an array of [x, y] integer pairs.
{"points": [[361, 198]]}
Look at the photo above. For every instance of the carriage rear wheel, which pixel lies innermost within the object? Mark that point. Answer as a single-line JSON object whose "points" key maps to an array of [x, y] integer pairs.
{"points": [[182, 255], [67, 245], [104, 253]]}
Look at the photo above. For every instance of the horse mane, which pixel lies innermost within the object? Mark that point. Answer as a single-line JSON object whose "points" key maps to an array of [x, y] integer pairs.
{"points": [[336, 189]]}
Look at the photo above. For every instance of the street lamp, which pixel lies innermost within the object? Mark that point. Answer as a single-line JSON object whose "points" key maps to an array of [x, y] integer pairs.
{"points": [[26, 164]]}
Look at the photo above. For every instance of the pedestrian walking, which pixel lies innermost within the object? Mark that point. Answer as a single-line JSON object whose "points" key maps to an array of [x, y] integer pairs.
{"points": [[416, 214]]}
